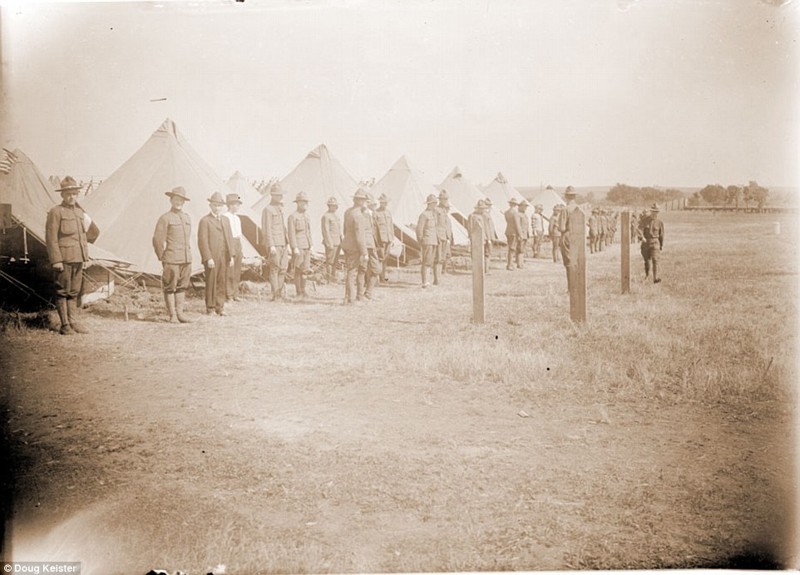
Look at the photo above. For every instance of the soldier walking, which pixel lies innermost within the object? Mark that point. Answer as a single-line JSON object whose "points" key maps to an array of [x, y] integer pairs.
{"points": [[68, 231], [299, 232], [214, 240], [428, 238], [273, 226], [653, 244], [331, 239], [172, 244]]}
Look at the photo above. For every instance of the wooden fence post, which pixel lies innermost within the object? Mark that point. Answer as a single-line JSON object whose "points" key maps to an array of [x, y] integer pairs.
{"points": [[626, 251], [577, 267], [478, 296]]}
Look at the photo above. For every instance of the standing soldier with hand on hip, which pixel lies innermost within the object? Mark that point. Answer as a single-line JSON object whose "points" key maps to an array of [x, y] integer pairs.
{"points": [[215, 242], [273, 226], [331, 239], [68, 231], [233, 201], [172, 244], [300, 243], [384, 233]]}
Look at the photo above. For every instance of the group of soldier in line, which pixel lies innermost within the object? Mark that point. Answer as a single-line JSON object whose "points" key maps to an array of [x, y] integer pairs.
{"points": [[364, 236]]}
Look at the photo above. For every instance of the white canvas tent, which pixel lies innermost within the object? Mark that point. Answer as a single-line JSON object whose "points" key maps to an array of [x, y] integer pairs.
{"points": [[27, 196], [127, 205], [464, 195], [238, 184], [501, 191], [548, 198], [407, 190], [320, 176]]}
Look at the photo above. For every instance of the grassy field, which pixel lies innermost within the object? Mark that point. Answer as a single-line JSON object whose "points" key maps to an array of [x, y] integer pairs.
{"points": [[397, 436]]}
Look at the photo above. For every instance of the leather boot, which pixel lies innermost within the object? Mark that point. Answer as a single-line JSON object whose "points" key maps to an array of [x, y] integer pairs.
{"points": [[63, 315], [180, 300], [72, 313], [170, 299]]}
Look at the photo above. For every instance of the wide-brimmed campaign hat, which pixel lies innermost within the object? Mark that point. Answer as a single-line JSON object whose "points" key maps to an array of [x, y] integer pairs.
{"points": [[570, 191], [383, 199], [480, 205], [524, 203], [178, 192], [68, 184], [488, 202], [360, 194], [276, 189], [655, 208], [443, 195], [301, 197], [216, 198], [332, 201], [432, 199], [538, 207], [513, 202], [231, 199]]}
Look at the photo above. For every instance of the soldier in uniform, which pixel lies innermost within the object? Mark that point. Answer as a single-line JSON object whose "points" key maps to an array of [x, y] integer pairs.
{"points": [[233, 202], [524, 233], [68, 231], [490, 232], [555, 232], [427, 237], [331, 238], [172, 244], [384, 234], [570, 264], [653, 244], [273, 226], [299, 232], [354, 244], [444, 235], [477, 221], [512, 231], [370, 271], [592, 230], [215, 242], [537, 229]]}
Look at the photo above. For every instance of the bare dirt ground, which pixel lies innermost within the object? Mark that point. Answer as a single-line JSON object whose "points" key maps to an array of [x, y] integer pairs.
{"points": [[397, 436]]}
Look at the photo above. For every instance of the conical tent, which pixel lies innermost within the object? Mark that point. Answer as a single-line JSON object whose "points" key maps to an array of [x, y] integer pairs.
{"points": [[407, 191], [501, 191], [128, 203], [321, 177], [464, 195], [238, 184], [547, 198]]}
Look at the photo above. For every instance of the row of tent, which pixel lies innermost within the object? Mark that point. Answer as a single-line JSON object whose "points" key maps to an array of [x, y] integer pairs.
{"points": [[127, 204]]}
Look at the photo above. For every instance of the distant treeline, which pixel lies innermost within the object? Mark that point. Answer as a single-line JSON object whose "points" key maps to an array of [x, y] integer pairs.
{"points": [[718, 195], [625, 195]]}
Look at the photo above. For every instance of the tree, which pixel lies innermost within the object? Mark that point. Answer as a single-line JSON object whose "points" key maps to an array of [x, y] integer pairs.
{"points": [[713, 194], [755, 193], [733, 193]]}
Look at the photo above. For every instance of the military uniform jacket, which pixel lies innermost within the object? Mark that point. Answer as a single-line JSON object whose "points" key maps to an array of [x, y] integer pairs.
{"points": [[553, 228], [524, 225], [563, 217], [426, 228], [214, 239], [273, 227], [355, 224], [592, 225], [331, 229], [537, 223], [66, 235], [370, 229], [384, 226], [654, 232], [488, 227], [442, 221], [512, 222], [172, 237], [299, 231]]}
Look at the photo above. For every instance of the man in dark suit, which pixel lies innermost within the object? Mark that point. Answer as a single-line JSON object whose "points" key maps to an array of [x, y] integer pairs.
{"points": [[216, 250]]}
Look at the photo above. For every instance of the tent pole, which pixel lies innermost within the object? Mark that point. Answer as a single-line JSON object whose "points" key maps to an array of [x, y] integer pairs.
{"points": [[25, 243]]}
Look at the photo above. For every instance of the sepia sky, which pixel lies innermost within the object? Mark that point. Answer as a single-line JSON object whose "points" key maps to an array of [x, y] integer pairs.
{"points": [[582, 92]]}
